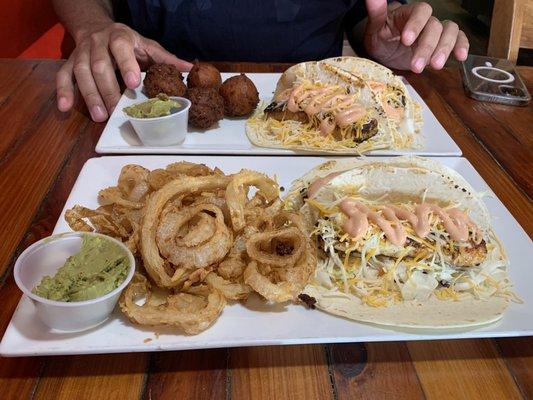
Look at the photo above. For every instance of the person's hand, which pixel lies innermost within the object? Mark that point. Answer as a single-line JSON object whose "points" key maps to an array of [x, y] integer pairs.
{"points": [[409, 37], [93, 62]]}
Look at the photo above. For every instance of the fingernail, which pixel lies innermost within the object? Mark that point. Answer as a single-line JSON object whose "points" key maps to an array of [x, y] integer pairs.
{"points": [[463, 54], [98, 114], [409, 37], [62, 103], [439, 60], [132, 80], [419, 64]]}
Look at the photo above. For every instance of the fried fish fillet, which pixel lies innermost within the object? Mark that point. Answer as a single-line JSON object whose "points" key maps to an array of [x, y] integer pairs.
{"points": [[459, 256], [279, 112]]}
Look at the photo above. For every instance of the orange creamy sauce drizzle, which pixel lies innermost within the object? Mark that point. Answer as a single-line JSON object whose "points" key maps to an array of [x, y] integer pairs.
{"points": [[343, 106], [455, 222], [396, 113]]}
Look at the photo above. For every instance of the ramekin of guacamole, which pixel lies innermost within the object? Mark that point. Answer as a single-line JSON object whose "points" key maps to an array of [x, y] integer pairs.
{"points": [[159, 106], [97, 269]]}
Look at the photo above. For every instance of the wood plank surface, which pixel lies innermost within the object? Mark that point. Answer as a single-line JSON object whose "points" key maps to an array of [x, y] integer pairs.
{"points": [[18, 376], [373, 370], [518, 355], [31, 162], [13, 74], [115, 376], [462, 369], [200, 374], [503, 130], [279, 372], [40, 159]]}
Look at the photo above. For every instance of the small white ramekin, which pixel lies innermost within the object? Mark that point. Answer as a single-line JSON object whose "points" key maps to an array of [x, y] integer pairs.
{"points": [[163, 131], [45, 257]]}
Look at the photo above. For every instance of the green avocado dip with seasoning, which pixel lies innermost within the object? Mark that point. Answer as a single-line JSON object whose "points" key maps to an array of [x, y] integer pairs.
{"points": [[157, 107], [97, 269]]}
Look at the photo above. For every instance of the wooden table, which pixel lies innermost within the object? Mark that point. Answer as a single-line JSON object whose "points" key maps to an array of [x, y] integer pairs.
{"points": [[41, 154]]}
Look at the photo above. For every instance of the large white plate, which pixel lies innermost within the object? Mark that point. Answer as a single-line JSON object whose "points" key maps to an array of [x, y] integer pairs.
{"points": [[230, 137], [257, 323]]}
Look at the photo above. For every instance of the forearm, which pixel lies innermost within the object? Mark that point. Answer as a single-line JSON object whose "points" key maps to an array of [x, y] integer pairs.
{"points": [[81, 17]]}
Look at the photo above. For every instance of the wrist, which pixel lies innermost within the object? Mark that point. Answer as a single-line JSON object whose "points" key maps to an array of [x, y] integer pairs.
{"points": [[86, 29]]}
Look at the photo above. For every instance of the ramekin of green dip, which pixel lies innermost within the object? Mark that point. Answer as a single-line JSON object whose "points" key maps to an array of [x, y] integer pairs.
{"points": [[74, 279]]}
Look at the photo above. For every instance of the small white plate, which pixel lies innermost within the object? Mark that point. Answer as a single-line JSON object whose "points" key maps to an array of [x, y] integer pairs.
{"points": [[230, 137], [256, 323]]}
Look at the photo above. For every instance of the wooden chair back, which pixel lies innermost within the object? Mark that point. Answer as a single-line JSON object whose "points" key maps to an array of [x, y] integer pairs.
{"points": [[511, 28]]}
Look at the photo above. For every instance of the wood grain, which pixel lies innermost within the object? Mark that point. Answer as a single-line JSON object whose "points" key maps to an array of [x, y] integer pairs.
{"points": [[18, 376], [373, 370], [116, 376], [13, 74], [280, 372], [30, 166], [495, 126], [224, 66], [462, 369], [526, 38], [506, 28], [28, 97], [518, 353], [200, 374]]}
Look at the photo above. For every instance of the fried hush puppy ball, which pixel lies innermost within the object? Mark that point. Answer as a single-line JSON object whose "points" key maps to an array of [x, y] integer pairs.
{"points": [[204, 75], [164, 78], [240, 96], [207, 107]]}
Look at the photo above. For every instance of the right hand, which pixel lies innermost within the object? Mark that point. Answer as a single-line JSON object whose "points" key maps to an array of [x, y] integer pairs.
{"points": [[93, 62]]}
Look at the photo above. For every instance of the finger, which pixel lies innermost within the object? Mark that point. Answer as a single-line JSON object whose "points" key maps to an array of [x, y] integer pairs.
{"points": [[426, 44], [461, 46], [65, 87], [445, 45], [104, 73], [377, 15], [159, 55], [87, 86], [419, 14], [122, 49]]}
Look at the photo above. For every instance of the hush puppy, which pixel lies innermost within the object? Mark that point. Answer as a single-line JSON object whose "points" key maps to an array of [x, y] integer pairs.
{"points": [[204, 75], [207, 107], [240, 96], [164, 78]]}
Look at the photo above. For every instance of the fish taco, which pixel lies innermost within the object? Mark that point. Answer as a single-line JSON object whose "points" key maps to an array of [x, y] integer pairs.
{"points": [[323, 106], [402, 242]]}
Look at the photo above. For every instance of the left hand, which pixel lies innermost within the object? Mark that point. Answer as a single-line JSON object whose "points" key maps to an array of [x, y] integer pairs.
{"points": [[409, 37]]}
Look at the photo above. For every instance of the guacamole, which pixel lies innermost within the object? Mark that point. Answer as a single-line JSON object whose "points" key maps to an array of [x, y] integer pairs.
{"points": [[99, 268], [157, 107]]}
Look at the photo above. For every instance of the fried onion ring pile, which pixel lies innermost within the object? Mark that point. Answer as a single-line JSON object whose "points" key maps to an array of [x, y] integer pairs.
{"points": [[203, 239]]}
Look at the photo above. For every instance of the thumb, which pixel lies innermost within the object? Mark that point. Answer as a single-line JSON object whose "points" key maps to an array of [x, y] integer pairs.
{"points": [[377, 15], [161, 56]]}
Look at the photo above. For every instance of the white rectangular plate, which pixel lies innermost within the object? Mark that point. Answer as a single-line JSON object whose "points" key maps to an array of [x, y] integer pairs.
{"points": [[257, 323], [230, 136]]}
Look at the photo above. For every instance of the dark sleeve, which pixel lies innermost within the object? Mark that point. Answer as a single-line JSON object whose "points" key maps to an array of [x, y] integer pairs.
{"points": [[358, 12]]}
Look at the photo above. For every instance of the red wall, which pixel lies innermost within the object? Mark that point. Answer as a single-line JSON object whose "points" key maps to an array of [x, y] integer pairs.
{"points": [[29, 29]]}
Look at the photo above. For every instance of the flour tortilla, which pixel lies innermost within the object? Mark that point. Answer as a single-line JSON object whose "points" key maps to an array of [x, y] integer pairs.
{"points": [[257, 127], [404, 178], [432, 314]]}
